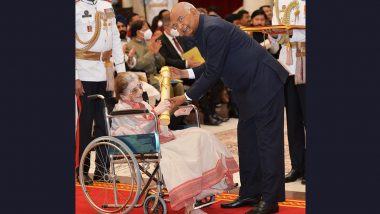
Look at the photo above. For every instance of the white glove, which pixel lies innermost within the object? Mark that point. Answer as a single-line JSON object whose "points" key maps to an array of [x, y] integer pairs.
{"points": [[183, 111], [162, 106]]}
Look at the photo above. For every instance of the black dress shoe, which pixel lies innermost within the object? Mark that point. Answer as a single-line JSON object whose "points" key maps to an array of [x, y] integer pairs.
{"points": [[303, 181], [87, 180], [264, 208], [293, 175], [223, 119], [209, 120], [239, 202]]}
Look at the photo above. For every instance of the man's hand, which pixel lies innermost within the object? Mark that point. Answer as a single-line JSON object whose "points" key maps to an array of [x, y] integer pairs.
{"points": [[177, 101], [183, 111], [192, 64], [177, 73], [79, 91], [154, 46]]}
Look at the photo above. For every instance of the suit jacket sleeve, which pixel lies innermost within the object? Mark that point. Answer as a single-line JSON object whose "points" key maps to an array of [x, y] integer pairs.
{"points": [[217, 44]]}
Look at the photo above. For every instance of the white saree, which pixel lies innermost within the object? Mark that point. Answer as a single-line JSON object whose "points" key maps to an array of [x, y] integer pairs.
{"points": [[193, 159]]}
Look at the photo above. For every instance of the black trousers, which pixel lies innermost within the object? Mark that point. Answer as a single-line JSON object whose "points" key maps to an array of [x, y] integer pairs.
{"points": [[92, 113], [296, 122], [211, 99], [261, 152]]}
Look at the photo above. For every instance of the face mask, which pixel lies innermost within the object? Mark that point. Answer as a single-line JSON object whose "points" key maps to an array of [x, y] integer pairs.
{"points": [[148, 34], [159, 24], [123, 34], [174, 33]]}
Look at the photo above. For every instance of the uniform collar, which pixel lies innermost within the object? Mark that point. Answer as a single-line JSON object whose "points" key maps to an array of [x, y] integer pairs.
{"points": [[90, 2]]}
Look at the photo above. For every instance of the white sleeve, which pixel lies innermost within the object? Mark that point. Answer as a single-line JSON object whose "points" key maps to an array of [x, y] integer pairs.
{"points": [[191, 73], [299, 35], [117, 51], [266, 44], [187, 98], [133, 63], [274, 45]]}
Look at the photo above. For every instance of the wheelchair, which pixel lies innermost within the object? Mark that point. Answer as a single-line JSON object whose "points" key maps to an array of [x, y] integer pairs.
{"points": [[120, 163]]}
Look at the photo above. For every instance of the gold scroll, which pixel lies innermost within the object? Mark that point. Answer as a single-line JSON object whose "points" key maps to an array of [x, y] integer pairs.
{"points": [[165, 93], [273, 29]]}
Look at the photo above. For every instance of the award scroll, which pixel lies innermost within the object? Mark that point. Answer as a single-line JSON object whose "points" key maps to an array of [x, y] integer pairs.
{"points": [[273, 29], [165, 93]]}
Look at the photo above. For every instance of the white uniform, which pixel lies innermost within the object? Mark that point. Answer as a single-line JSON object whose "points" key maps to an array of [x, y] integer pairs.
{"points": [[298, 35], [109, 38]]}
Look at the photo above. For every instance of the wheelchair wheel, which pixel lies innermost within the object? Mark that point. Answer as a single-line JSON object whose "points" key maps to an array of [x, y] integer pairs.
{"points": [[149, 203], [205, 200], [117, 179]]}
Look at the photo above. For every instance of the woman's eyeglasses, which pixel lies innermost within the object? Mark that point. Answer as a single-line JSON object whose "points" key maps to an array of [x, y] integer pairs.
{"points": [[136, 89]]}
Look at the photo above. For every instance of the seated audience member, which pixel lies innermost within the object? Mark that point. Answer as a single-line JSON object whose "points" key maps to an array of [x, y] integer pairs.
{"points": [[121, 23], [147, 53], [194, 163], [268, 13], [233, 18], [157, 20], [132, 17], [258, 19], [244, 18]]}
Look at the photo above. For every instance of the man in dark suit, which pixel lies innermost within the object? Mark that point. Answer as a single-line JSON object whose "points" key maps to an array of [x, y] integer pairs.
{"points": [[173, 46], [257, 82]]}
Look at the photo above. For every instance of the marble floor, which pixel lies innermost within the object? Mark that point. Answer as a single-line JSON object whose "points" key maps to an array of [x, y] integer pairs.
{"points": [[226, 133]]}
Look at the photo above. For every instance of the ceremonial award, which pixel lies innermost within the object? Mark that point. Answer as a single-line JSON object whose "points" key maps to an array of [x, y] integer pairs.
{"points": [[165, 93], [273, 29]]}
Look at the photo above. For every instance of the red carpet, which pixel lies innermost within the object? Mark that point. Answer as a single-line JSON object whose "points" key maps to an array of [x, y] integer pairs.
{"points": [[290, 206]]}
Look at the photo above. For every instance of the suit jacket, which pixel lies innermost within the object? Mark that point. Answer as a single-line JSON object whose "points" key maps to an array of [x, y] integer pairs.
{"points": [[172, 58], [231, 55]]}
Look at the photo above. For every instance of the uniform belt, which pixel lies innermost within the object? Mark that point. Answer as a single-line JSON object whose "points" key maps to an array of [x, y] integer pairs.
{"points": [[94, 56]]}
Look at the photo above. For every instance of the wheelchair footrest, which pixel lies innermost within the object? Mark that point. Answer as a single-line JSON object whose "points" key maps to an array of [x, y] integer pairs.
{"points": [[200, 204]]}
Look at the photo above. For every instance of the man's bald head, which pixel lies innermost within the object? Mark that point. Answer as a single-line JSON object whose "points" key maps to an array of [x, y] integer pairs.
{"points": [[185, 18]]}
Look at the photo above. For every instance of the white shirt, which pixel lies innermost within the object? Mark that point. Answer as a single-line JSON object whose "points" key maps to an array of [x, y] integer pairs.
{"points": [[190, 70], [298, 35], [109, 38], [173, 44]]}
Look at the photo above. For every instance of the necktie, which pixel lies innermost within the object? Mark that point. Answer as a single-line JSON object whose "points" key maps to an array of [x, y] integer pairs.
{"points": [[178, 46]]}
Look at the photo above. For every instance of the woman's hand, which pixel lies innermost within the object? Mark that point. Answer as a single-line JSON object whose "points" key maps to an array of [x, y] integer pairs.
{"points": [[162, 106]]}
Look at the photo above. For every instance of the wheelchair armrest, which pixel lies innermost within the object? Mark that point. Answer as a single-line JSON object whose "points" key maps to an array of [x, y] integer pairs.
{"points": [[130, 111]]}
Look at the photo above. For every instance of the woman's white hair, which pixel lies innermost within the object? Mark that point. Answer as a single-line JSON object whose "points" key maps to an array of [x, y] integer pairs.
{"points": [[131, 77]]}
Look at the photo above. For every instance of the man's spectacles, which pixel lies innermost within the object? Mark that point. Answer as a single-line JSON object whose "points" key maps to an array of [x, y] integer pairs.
{"points": [[180, 21]]}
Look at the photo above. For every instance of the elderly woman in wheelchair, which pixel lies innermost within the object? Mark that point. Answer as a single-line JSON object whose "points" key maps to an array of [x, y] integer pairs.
{"points": [[194, 163], [190, 163]]}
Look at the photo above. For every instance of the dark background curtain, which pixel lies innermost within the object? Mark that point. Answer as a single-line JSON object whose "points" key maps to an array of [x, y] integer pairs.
{"points": [[225, 7]]}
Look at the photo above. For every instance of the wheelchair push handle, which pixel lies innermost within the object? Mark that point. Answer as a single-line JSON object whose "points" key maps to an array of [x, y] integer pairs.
{"points": [[129, 111], [95, 97]]}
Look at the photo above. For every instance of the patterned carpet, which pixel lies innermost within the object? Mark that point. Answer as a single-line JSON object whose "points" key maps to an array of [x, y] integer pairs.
{"points": [[229, 138]]}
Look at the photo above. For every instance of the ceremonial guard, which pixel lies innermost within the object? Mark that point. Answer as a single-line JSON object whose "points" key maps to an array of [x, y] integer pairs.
{"points": [[292, 57], [96, 40]]}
